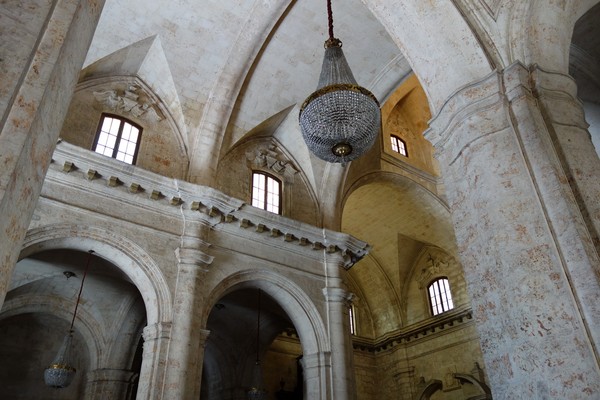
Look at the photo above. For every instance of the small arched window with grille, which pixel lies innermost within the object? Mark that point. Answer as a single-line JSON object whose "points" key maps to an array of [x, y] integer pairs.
{"points": [[398, 145], [266, 192], [118, 138], [440, 297]]}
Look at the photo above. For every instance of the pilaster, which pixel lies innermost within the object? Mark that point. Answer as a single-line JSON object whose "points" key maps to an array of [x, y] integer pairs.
{"points": [[337, 303], [114, 384], [154, 361], [186, 350], [522, 240]]}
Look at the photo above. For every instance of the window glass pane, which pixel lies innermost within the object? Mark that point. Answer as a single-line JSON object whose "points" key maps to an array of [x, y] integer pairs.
{"points": [[106, 124], [440, 296], [114, 126], [126, 131], [265, 192], [126, 141], [103, 138], [395, 144], [134, 134], [111, 140]]}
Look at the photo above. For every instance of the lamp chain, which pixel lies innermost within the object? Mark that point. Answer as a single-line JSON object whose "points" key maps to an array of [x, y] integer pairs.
{"points": [[87, 266], [330, 19]]}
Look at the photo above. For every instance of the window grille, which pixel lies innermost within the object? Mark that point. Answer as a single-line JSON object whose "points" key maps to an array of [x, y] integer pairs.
{"points": [[440, 297]]}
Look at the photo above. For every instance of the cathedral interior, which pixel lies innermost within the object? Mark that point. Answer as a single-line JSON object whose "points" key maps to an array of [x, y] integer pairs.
{"points": [[165, 221]]}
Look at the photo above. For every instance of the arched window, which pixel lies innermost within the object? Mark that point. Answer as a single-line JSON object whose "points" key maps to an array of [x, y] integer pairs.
{"points": [[118, 138], [440, 298], [399, 145], [266, 192]]}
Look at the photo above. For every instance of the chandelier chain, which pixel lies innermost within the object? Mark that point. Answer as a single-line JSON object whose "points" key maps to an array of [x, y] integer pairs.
{"points": [[330, 19], [87, 267]]}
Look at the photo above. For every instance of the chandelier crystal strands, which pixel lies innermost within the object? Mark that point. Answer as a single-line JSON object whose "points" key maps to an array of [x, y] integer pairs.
{"points": [[60, 373], [341, 120], [257, 390]]}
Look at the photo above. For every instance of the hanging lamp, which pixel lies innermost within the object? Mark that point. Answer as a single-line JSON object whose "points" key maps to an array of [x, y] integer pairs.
{"points": [[340, 120], [60, 373], [257, 390]]}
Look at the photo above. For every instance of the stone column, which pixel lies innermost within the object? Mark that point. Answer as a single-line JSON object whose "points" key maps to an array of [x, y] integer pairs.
{"points": [[42, 70], [564, 116], [522, 240], [114, 384], [317, 369], [186, 350], [337, 302], [154, 361]]}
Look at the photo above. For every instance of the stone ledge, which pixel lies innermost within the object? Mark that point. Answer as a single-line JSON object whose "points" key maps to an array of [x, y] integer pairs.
{"points": [[414, 332], [107, 177]]}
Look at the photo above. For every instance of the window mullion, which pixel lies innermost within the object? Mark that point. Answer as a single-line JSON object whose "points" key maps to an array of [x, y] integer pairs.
{"points": [[118, 139]]}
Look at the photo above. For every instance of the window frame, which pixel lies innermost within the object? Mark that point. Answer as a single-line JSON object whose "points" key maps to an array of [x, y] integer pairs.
{"points": [[265, 197], [398, 142], [122, 120], [446, 301]]}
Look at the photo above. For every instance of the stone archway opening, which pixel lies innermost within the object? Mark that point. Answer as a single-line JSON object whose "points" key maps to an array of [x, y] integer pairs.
{"points": [[107, 330], [233, 344]]}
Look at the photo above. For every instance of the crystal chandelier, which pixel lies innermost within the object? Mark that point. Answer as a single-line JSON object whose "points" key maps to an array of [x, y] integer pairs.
{"points": [[60, 373], [340, 120], [257, 390]]}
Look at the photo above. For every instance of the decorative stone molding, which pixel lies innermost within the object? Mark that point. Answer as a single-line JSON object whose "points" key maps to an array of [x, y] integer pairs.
{"points": [[132, 101], [434, 267], [272, 159]]}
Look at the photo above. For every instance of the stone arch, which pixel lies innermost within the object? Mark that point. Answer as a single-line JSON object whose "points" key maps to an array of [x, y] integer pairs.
{"points": [[407, 185], [456, 50], [542, 31], [119, 250], [430, 388], [293, 300], [88, 327], [487, 393]]}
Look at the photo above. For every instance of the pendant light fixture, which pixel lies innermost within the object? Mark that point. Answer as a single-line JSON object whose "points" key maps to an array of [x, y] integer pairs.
{"points": [[341, 120], [257, 390], [60, 373]]}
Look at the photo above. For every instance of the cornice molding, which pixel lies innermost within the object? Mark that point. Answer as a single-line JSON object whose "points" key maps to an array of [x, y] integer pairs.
{"points": [[449, 320], [71, 166]]}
